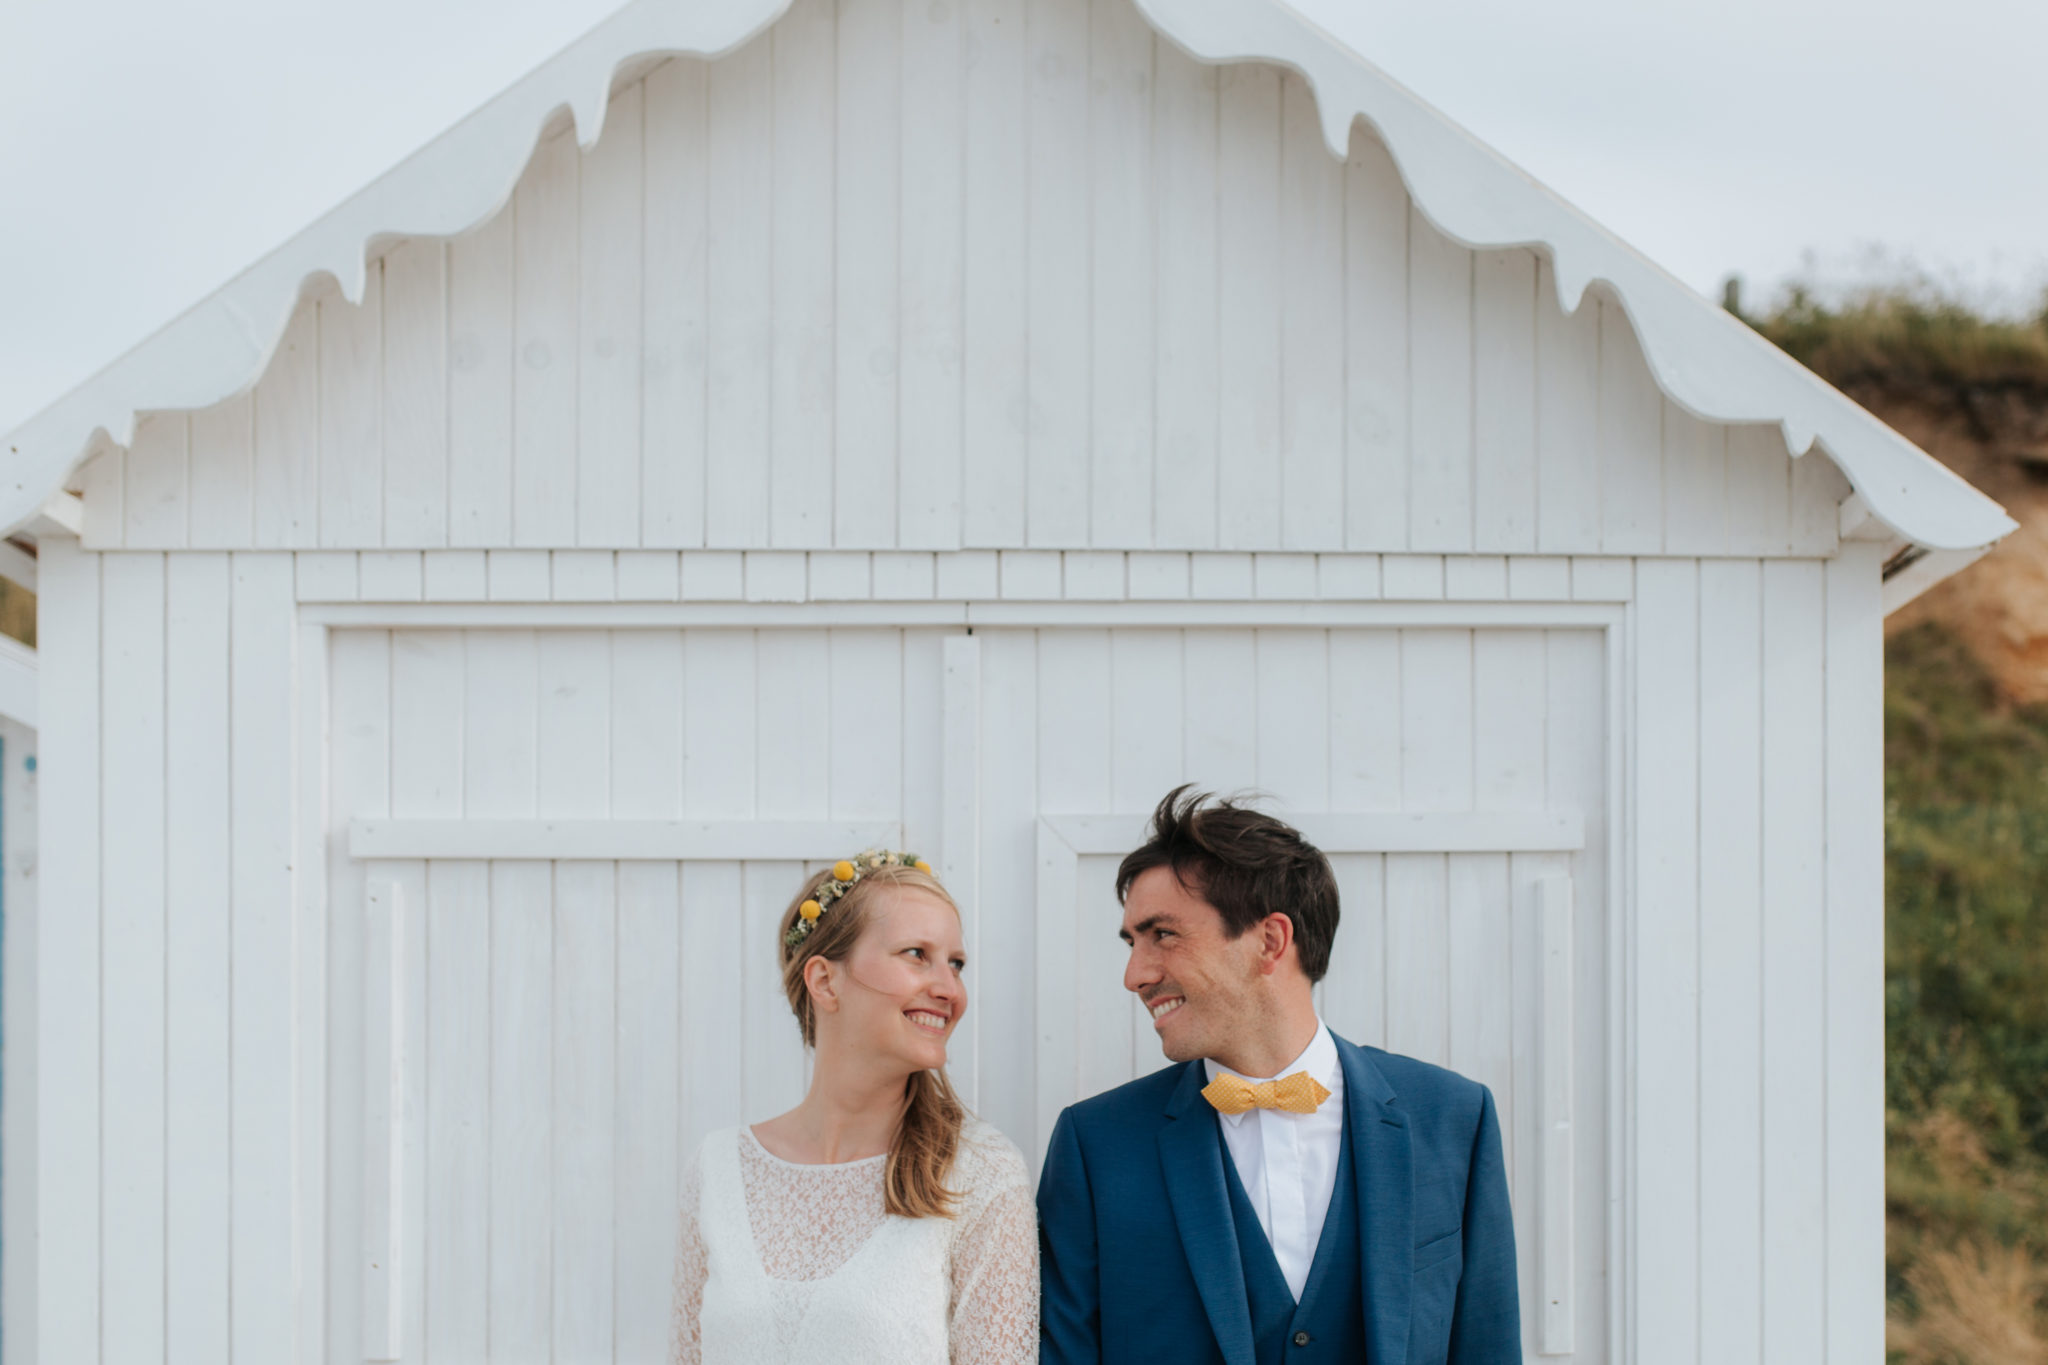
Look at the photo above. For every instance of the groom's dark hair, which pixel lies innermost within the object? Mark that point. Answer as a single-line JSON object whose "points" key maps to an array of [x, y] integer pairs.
{"points": [[1245, 863]]}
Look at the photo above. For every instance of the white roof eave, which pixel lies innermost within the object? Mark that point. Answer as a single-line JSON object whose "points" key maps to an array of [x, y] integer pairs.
{"points": [[1708, 362]]}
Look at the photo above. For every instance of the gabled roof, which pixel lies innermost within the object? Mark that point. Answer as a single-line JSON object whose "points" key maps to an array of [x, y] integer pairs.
{"points": [[1706, 361]]}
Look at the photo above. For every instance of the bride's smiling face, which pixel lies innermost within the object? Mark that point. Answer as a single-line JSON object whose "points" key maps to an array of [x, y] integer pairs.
{"points": [[898, 993]]}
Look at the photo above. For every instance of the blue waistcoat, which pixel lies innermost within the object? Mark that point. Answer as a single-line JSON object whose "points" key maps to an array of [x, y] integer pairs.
{"points": [[1331, 1314]]}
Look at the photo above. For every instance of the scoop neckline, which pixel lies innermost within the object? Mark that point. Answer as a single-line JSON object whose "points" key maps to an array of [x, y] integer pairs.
{"points": [[747, 1131]]}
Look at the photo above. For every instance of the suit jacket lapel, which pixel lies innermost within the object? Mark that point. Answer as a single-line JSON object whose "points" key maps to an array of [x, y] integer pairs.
{"points": [[1191, 1156], [1383, 1168]]}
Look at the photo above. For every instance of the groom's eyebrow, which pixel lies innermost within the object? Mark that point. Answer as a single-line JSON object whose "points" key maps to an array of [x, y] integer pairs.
{"points": [[1145, 926]]}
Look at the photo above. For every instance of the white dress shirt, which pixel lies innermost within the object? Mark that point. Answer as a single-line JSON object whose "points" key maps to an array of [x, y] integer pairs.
{"points": [[1288, 1162]]}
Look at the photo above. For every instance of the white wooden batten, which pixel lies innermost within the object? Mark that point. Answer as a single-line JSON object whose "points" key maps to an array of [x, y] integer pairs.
{"points": [[1706, 361]]}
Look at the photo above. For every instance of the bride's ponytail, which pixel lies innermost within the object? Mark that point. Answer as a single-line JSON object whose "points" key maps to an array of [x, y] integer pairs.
{"points": [[927, 1140]]}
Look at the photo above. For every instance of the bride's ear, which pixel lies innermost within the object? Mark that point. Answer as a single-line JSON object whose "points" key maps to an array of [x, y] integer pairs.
{"points": [[818, 981]]}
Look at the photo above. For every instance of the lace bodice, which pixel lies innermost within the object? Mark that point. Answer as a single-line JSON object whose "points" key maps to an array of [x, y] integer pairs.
{"points": [[773, 1254]]}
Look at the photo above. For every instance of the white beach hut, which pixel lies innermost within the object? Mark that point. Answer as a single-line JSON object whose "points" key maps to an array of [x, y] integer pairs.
{"points": [[945, 424]]}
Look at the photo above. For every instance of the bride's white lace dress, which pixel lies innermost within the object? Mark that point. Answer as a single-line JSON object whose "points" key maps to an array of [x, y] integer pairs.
{"points": [[784, 1262]]}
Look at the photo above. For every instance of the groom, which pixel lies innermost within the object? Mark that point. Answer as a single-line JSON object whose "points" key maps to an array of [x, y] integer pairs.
{"points": [[1278, 1195]]}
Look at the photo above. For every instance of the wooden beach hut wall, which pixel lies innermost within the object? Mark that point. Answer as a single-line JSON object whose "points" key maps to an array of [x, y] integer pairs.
{"points": [[759, 434]]}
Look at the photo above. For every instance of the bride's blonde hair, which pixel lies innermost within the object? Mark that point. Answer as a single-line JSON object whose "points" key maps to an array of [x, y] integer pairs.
{"points": [[926, 1141]]}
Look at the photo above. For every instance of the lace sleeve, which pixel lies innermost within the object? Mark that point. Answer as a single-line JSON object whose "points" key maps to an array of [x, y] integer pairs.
{"points": [[995, 1283], [691, 1271]]}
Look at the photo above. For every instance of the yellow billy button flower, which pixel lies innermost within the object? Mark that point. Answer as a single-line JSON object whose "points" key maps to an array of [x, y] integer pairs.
{"points": [[922, 866], [842, 871], [810, 909]]}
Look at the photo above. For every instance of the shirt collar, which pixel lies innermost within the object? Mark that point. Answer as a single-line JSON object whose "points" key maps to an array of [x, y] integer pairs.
{"points": [[1319, 1059]]}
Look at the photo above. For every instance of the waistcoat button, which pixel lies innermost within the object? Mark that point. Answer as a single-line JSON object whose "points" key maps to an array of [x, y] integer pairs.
{"points": [[1302, 1338]]}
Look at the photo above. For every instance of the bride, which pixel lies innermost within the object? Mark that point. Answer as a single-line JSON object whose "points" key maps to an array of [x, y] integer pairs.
{"points": [[878, 1221]]}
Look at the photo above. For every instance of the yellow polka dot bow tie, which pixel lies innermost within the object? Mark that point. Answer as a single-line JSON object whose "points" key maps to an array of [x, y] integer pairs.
{"points": [[1297, 1094]]}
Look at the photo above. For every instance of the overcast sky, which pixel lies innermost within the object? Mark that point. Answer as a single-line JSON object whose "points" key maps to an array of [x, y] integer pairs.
{"points": [[148, 151]]}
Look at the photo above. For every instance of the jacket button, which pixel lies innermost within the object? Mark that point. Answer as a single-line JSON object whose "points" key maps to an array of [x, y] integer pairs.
{"points": [[1302, 1338]]}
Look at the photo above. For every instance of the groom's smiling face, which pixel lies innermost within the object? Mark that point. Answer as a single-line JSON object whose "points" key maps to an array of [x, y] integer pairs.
{"points": [[1199, 984]]}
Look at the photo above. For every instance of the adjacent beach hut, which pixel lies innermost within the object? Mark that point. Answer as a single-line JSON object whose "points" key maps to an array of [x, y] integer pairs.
{"points": [[764, 432]]}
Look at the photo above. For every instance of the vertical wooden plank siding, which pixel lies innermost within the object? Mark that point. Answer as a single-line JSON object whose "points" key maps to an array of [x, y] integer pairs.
{"points": [[19, 883], [1666, 784], [1248, 307], [1731, 962], [1567, 421], [1439, 390], [287, 454], [1010, 803], [1312, 336], [740, 126], [801, 247], [481, 365], [69, 990], [416, 385], [1759, 491], [131, 957], [1854, 937], [1184, 169], [931, 257], [222, 478], [1120, 280], [996, 283], [1631, 441], [1376, 225], [673, 307], [359, 763], [866, 219], [1795, 1300], [154, 503], [457, 1197], [264, 1085], [198, 950], [546, 349], [1504, 497], [351, 405], [1058, 346], [609, 447], [1695, 483]]}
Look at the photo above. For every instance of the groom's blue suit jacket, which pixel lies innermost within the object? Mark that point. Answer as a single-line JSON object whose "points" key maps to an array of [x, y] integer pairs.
{"points": [[1140, 1256]]}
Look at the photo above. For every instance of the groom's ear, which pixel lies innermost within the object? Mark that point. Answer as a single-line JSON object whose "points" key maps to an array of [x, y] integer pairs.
{"points": [[1276, 937], [818, 980]]}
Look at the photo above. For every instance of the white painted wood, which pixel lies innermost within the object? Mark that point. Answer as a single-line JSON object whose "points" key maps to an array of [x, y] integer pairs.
{"points": [[1312, 396], [383, 1167], [1184, 249], [739, 124], [18, 1180], [416, 387], [458, 1073], [802, 247], [959, 828], [155, 501], [1695, 483], [102, 484], [584, 1095], [68, 1028], [287, 450], [1667, 1031], [269, 1203], [1057, 342], [1731, 967], [389, 576], [1555, 1203], [932, 263], [1121, 276], [1376, 223], [1759, 491], [610, 352], [1504, 400], [862, 207], [482, 362], [196, 956], [1794, 1077], [522, 1176], [20, 684], [1248, 307], [1854, 938], [326, 576], [1440, 392], [130, 1065], [646, 1115], [222, 479], [1567, 420], [996, 402], [673, 304], [1631, 442], [351, 425], [546, 352]]}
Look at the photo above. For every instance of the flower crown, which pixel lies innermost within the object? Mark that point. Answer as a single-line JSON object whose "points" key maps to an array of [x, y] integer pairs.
{"points": [[845, 873]]}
